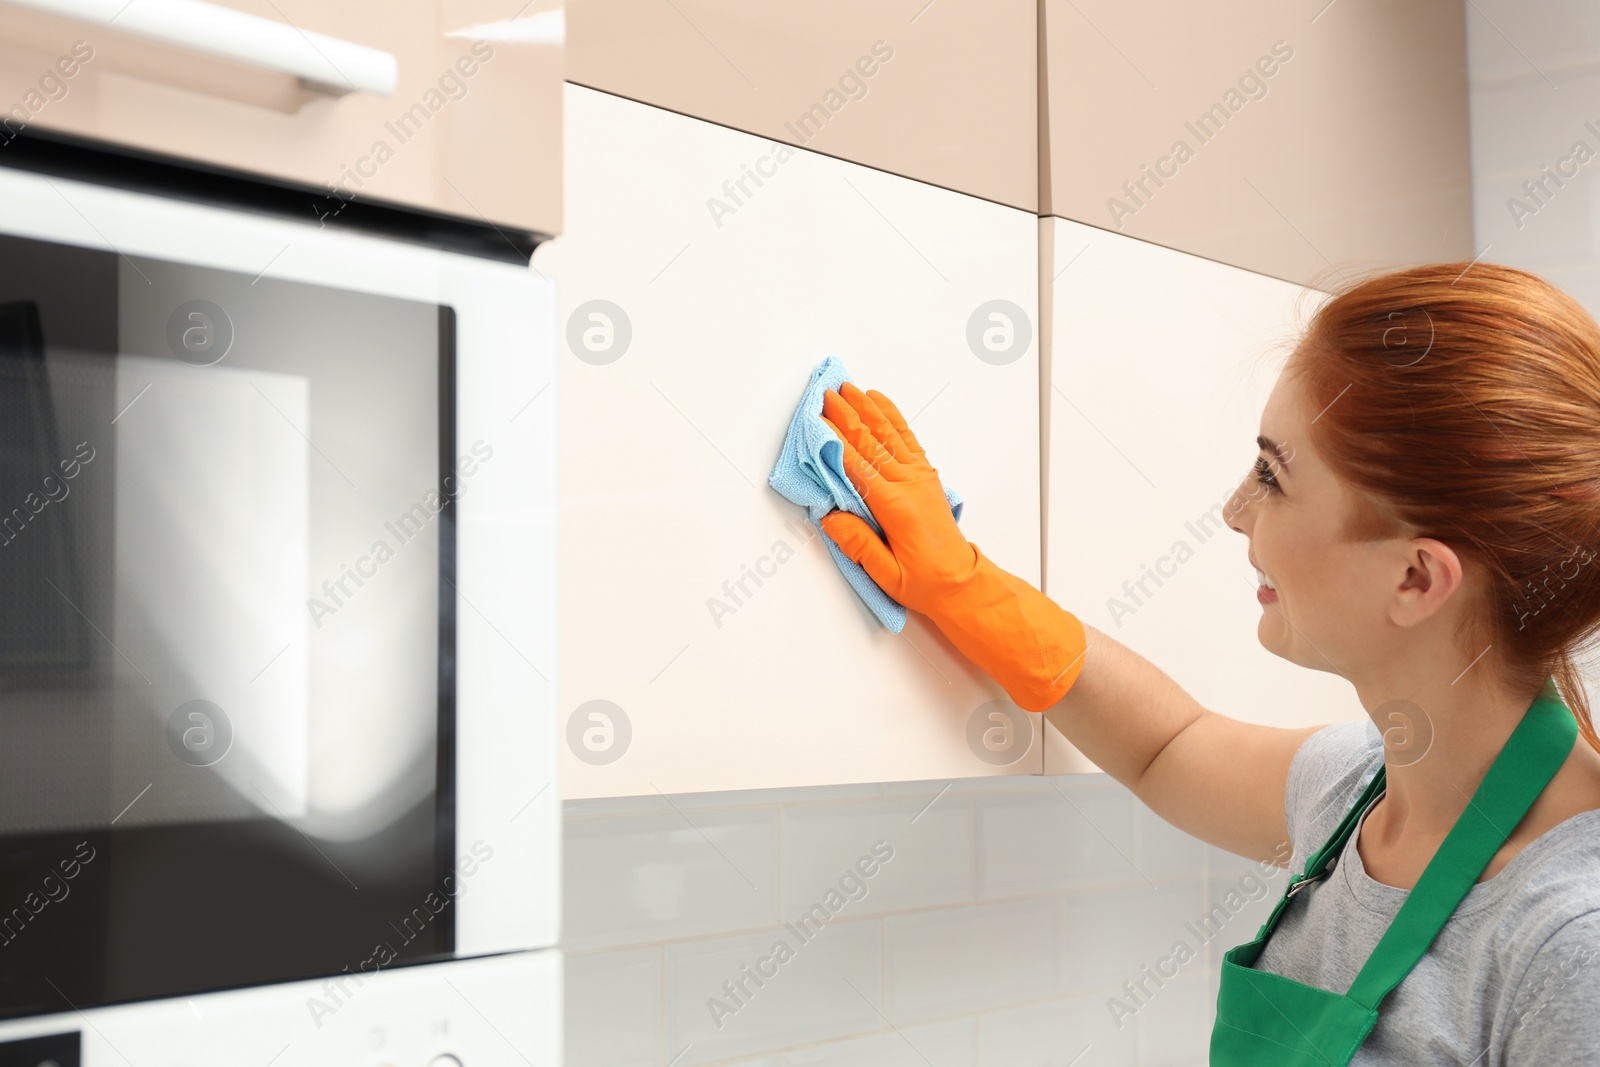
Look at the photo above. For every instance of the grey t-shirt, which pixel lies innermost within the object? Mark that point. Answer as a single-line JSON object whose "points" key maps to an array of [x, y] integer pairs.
{"points": [[1514, 976]]}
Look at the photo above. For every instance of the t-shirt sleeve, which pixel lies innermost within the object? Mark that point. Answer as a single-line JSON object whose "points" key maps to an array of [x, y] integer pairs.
{"points": [[1553, 1020], [1328, 772]]}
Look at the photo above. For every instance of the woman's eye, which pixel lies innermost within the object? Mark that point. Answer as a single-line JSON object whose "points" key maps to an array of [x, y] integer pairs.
{"points": [[1265, 474]]}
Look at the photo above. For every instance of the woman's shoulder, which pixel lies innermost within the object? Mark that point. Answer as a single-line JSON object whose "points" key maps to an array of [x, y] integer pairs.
{"points": [[1557, 876], [1551, 889], [1326, 776], [1549, 933]]}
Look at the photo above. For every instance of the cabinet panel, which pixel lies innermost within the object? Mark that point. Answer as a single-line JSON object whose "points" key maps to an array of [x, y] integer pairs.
{"points": [[472, 128], [943, 92], [1160, 363], [1280, 138], [693, 597]]}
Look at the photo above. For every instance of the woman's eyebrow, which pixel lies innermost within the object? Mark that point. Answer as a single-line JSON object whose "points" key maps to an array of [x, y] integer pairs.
{"points": [[1268, 444]]}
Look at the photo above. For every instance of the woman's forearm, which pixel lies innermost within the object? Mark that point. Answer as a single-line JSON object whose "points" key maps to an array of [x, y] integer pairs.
{"points": [[1123, 710], [1218, 778]]}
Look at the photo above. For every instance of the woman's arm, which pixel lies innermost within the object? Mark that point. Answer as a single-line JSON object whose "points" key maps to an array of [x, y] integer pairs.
{"points": [[1219, 779]]}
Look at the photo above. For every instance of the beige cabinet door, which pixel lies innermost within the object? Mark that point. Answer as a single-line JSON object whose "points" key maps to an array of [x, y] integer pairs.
{"points": [[707, 640], [472, 127], [944, 91], [1289, 139], [1159, 364]]}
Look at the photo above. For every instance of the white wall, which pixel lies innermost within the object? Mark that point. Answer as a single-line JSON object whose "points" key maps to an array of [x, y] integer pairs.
{"points": [[1534, 72], [1013, 910]]}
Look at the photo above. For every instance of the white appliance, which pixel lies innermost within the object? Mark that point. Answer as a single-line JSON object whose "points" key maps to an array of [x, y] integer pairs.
{"points": [[276, 625]]}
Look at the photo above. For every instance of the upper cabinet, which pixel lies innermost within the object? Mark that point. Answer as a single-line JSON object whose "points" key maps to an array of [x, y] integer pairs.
{"points": [[1159, 364], [1280, 138], [707, 639], [471, 125], [945, 92]]}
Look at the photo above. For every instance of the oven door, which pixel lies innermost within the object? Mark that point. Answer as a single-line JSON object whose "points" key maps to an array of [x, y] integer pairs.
{"points": [[276, 568]]}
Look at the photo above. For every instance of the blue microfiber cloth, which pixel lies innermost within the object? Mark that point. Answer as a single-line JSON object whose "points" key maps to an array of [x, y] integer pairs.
{"points": [[810, 472]]}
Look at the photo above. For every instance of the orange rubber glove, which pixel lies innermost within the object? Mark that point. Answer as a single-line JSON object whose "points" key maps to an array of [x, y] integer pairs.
{"points": [[1020, 637]]}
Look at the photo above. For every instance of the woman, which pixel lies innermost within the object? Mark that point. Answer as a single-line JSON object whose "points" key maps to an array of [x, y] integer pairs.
{"points": [[1424, 515]]}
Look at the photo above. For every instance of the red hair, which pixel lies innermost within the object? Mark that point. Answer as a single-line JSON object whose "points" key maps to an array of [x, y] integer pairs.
{"points": [[1462, 403]]}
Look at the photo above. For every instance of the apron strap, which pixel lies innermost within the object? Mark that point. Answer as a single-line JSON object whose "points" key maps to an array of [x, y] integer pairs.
{"points": [[1317, 862], [1531, 756]]}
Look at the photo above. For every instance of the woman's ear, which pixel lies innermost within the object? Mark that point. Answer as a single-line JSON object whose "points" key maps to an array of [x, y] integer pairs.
{"points": [[1433, 575]]}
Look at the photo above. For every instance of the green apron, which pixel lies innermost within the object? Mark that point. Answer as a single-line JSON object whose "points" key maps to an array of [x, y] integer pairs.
{"points": [[1266, 1019]]}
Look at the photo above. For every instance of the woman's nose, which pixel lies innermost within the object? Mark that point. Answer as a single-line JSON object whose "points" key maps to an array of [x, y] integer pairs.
{"points": [[1236, 512]]}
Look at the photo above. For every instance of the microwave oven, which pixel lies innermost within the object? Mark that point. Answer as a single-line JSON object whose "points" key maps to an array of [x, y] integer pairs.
{"points": [[276, 624]]}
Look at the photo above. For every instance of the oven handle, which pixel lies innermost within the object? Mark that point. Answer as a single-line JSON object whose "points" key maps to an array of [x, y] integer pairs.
{"points": [[326, 64]]}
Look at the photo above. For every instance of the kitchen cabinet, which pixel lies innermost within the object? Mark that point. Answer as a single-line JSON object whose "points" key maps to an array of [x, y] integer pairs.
{"points": [[1280, 138], [942, 92], [707, 640], [1159, 365], [472, 127]]}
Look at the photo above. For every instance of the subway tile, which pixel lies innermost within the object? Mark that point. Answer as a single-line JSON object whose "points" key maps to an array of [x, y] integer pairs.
{"points": [[612, 1007], [827, 987], [1009, 783], [1240, 894], [1161, 850], [1174, 1027], [946, 1044], [1214, 975], [1075, 785], [1075, 836], [955, 960], [1222, 863], [931, 842], [1110, 936], [1005, 783], [640, 878], [592, 807], [1077, 1031], [1237, 906], [921, 788]]}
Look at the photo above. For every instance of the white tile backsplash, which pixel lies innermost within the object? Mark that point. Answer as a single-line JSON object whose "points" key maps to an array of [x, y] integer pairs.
{"points": [[1168, 1023], [949, 1044], [1161, 850], [1077, 835], [1109, 936], [1067, 1032], [1236, 907], [734, 996], [996, 934], [931, 843], [957, 960], [642, 878], [613, 1007]]}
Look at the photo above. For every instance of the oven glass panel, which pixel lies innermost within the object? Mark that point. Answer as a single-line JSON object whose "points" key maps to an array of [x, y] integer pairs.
{"points": [[226, 697]]}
